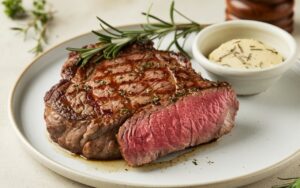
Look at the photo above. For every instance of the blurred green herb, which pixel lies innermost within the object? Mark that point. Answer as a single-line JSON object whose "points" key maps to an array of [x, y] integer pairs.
{"points": [[14, 9], [112, 40], [125, 111], [156, 100], [40, 17], [295, 183]]}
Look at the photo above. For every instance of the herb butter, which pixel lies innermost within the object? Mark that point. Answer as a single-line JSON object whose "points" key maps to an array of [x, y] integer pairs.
{"points": [[246, 53]]}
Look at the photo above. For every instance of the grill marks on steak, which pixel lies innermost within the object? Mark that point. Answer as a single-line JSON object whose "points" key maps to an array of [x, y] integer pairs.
{"points": [[156, 98], [194, 119], [86, 108]]}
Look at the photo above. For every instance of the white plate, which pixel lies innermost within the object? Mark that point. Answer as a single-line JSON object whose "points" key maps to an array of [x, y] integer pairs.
{"points": [[265, 139]]}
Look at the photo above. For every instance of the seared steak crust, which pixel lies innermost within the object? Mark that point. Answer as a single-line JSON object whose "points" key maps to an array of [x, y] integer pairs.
{"points": [[85, 110]]}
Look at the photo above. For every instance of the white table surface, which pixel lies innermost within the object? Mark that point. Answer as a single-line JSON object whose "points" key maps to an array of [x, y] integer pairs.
{"points": [[74, 17]]}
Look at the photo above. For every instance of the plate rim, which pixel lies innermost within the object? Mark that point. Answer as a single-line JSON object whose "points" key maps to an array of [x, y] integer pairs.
{"points": [[85, 178]]}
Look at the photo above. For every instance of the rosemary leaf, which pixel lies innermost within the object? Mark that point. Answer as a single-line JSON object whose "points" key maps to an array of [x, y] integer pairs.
{"points": [[107, 31], [102, 36], [84, 61], [156, 18], [155, 25], [116, 50], [147, 14], [78, 49], [14, 9], [178, 46], [170, 45], [98, 58], [108, 25], [90, 52], [182, 15], [17, 29], [172, 13]]}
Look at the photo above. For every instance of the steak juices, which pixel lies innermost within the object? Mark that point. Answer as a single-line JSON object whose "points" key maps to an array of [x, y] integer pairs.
{"points": [[142, 105]]}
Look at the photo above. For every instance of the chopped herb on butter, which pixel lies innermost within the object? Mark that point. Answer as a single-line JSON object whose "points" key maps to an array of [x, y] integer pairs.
{"points": [[246, 53]]}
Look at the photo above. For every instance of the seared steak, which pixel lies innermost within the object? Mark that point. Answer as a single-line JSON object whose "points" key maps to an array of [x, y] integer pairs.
{"points": [[144, 91], [197, 118]]}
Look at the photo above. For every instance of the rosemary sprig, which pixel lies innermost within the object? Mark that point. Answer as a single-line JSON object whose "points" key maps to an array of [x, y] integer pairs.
{"points": [[14, 9], [295, 183], [112, 40], [40, 19]]}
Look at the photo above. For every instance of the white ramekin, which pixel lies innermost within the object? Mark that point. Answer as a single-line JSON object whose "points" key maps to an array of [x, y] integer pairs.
{"points": [[245, 81]]}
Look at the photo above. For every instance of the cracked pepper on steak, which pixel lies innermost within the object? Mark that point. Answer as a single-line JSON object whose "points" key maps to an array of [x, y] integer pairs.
{"points": [[142, 105]]}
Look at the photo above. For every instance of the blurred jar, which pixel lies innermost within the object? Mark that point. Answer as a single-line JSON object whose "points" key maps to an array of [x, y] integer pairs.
{"points": [[276, 12]]}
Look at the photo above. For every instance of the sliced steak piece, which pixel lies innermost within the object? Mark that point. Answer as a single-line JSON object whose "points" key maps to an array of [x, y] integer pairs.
{"points": [[197, 118], [85, 110]]}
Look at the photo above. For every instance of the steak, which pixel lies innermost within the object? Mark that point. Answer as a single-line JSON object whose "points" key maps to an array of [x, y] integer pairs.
{"points": [[194, 119], [141, 105]]}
